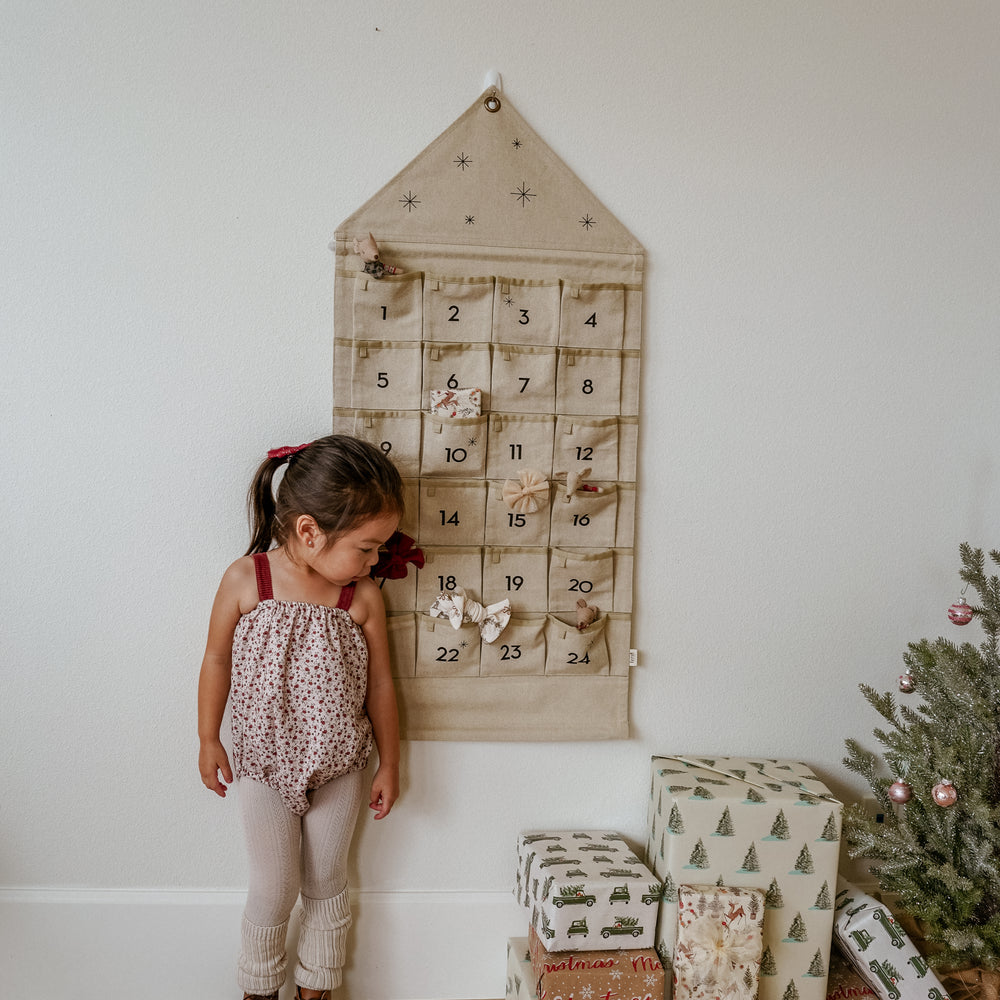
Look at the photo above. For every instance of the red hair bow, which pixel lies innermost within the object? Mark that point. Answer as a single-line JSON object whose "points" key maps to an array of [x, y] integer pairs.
{"points": [[399, 550], [286, 450]]}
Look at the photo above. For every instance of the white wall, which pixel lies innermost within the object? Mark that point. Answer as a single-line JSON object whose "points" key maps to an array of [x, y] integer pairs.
{"points": [[815, 184]]}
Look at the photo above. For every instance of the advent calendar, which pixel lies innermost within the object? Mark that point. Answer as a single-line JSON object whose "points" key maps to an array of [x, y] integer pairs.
{"points": [[492, 351]]}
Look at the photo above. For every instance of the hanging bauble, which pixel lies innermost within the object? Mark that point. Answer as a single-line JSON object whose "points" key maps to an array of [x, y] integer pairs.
{"points": [[944, 794], [900, 791], [960, 613], [906, 682]]}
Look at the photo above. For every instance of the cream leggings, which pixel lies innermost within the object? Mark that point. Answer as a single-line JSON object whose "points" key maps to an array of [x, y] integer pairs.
{"points": [[289, 853]]}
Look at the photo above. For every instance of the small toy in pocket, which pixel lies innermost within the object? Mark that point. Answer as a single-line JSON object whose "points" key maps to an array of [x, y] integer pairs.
{"points": [[368, 252], [586, 614]]}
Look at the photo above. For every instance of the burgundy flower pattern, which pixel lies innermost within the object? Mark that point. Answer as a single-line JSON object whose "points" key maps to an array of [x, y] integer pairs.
{"points": [[300, 676]]}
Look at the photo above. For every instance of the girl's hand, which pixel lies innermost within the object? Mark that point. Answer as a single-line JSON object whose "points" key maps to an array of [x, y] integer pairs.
{"points": [[212, 759], [385, 790]]}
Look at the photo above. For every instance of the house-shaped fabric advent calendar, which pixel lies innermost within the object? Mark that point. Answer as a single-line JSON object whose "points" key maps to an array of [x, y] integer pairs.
{"points": [[517, 295]]}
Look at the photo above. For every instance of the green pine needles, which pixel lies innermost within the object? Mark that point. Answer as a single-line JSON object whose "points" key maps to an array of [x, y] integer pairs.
{"points": [[943, 862]]}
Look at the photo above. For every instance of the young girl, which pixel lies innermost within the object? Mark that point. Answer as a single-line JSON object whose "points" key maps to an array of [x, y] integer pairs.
{"points": [[297, 637]]}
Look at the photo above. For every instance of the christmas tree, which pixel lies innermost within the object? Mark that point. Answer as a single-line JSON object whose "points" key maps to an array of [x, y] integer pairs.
{"points": [[938, 786]]}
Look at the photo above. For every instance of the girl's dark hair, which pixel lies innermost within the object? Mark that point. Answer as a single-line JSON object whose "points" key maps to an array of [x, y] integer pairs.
{"points": [[339, 480]]}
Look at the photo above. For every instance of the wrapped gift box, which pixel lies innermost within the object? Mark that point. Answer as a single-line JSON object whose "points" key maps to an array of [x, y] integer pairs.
{"points": [[873, 941], [719, 943], [587, 891], [519, 974], [457, 402], [628, 974], [768, 824]]}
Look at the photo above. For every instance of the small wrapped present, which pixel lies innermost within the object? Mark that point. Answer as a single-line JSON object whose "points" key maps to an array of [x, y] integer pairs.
{"points": [[632, 973], [719, 943], [586, 890], [457, 402], [753, 823], [874, 942], [519, 974]]}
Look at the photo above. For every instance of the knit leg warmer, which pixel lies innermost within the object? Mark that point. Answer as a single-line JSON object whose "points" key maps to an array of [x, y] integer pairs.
{"points": [[323, 942], [263, 958]]}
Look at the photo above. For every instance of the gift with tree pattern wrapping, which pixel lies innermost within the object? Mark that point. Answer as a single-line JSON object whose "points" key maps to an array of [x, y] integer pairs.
{"points": [[519, 973], [586, 890], [754, 822], [876, 945]]}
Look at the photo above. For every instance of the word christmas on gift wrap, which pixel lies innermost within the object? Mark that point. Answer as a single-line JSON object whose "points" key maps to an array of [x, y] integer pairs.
{"points": [[571, 963]]}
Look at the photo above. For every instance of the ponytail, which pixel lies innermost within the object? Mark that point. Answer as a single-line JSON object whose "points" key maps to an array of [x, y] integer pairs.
{"points": [[260, 505]]}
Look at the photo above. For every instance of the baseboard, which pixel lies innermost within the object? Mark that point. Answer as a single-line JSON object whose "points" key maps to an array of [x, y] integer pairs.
{"points": [[162, 944]]}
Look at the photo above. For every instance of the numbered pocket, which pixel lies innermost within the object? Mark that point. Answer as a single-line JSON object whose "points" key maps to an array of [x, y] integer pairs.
{"points": [[625, 530], [526, 312], [395, 432], [588, 381], [443, 651], [581, 575], [453, 446], [519, 441], [520, 650], [456, 366], [587, 443], [452, 512], [384, 374], [524, 379], [513, 528], [520, 574], [458, 309], [585, 519], [592, 316], [402, 633], [388, 308], [448, 568], [569, 650]]}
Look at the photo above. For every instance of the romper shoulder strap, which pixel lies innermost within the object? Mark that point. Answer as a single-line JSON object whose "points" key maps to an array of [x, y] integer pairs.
{"points": [[346, 596], [263, 570]]}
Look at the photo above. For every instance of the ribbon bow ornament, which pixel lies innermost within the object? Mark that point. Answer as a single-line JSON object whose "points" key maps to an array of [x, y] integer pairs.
{"points": [[526, 494], [459, 609]]}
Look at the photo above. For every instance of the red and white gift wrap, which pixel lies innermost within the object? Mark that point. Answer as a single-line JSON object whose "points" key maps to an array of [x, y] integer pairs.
{"points": [[586, 890], [758, 823], [719, 943], [457, 402], [628, 974]]}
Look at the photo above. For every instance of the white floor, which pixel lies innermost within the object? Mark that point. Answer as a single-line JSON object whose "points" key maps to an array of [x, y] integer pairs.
{"points": [[69, 945]]}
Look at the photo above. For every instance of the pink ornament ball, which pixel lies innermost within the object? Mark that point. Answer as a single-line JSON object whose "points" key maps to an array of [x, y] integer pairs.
{"points": [[944, 794], [960, 613], [900, 791], [906, 682]]}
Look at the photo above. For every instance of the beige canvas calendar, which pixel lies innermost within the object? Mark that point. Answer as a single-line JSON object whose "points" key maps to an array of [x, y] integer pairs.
{"points": [[496, 360]]}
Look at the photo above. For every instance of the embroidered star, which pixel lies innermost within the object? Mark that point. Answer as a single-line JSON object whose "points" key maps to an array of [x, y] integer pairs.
{"points": [[470, 220], [516, 143], [473, 442], [524, 194], [463, 161], [508, 301], [587, 222], [410, 201]]}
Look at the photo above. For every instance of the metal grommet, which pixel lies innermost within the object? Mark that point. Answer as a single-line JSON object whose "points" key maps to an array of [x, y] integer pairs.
{"points": [[492, 103]]}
